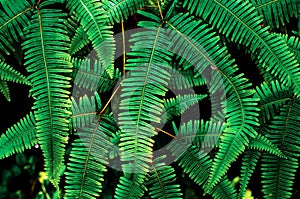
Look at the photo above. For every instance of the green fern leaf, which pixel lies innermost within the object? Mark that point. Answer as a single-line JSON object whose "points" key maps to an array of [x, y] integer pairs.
{"points": [[178, 105], [19, 137], [85, 110], [241, 107], [249, 163], [162, 181], [278, 174], [261, 143], [91, 75], [237, 20], [189, 150], [13, 18], [120, 10], [272, 97], [93, 20], [128, 188], [204, 135], [182, 77], [7, 73], [49, 66], [224, 190], [4, 90], [197, 165], [277, 12], [142, 95], [79, 40], [293, 44], [185, 79], [88, 159]]}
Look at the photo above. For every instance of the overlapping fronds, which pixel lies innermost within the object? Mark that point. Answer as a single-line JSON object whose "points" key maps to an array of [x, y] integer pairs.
{"points": [[48, 63], [293, 44], [185, 79], [85, 110], [14, 18], [197, 164], [88, 158], [162, 181], [178, 105], [79, 40], [191, 39], [204, 135], [142, 95], [278, 173], [130, 188], [92, 75], [277, 12], [170, 63], [19, 137], [239, 21], [190, 148], [272, 96], [120, 10], [93, 20]]}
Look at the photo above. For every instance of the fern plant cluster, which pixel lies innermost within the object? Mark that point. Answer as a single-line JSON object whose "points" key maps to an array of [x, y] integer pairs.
{"points": [[113, 105]]}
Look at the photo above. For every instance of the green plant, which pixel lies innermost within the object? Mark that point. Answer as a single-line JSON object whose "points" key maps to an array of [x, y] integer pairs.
{"points": [[174, 51]]}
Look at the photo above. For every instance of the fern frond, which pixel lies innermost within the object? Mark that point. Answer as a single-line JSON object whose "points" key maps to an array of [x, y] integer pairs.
{"points": [[88, 159], [277, 12], [4, 89], [162, 181], [49, 67], [14, 18], [249, 163], [19, 137], [7, 73], [190, 39], [182, 78], [278, 173], [278, 176], [79, 40], [93, 20], [239, 21], [204, 135], [92, 75], [128, 188], [272, 96], [185, 80], [142, 95], [85, 110], [120, 10], [197, 164], [293, 44], [224, 189], [261, 143], [178, 105]]}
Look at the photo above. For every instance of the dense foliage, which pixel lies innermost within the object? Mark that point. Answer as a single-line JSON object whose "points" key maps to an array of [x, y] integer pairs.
{"points": [[151, 99]]}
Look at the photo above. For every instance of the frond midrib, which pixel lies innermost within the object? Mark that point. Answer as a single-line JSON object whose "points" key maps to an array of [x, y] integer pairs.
{"points": [[15, 17], [87, 159], [48, 89]]}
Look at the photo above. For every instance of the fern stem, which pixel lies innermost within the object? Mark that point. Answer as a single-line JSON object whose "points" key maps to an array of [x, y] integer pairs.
{"points": [[124, 48], [167, 133], [265, 4], [160, 12], [111, 97]]}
